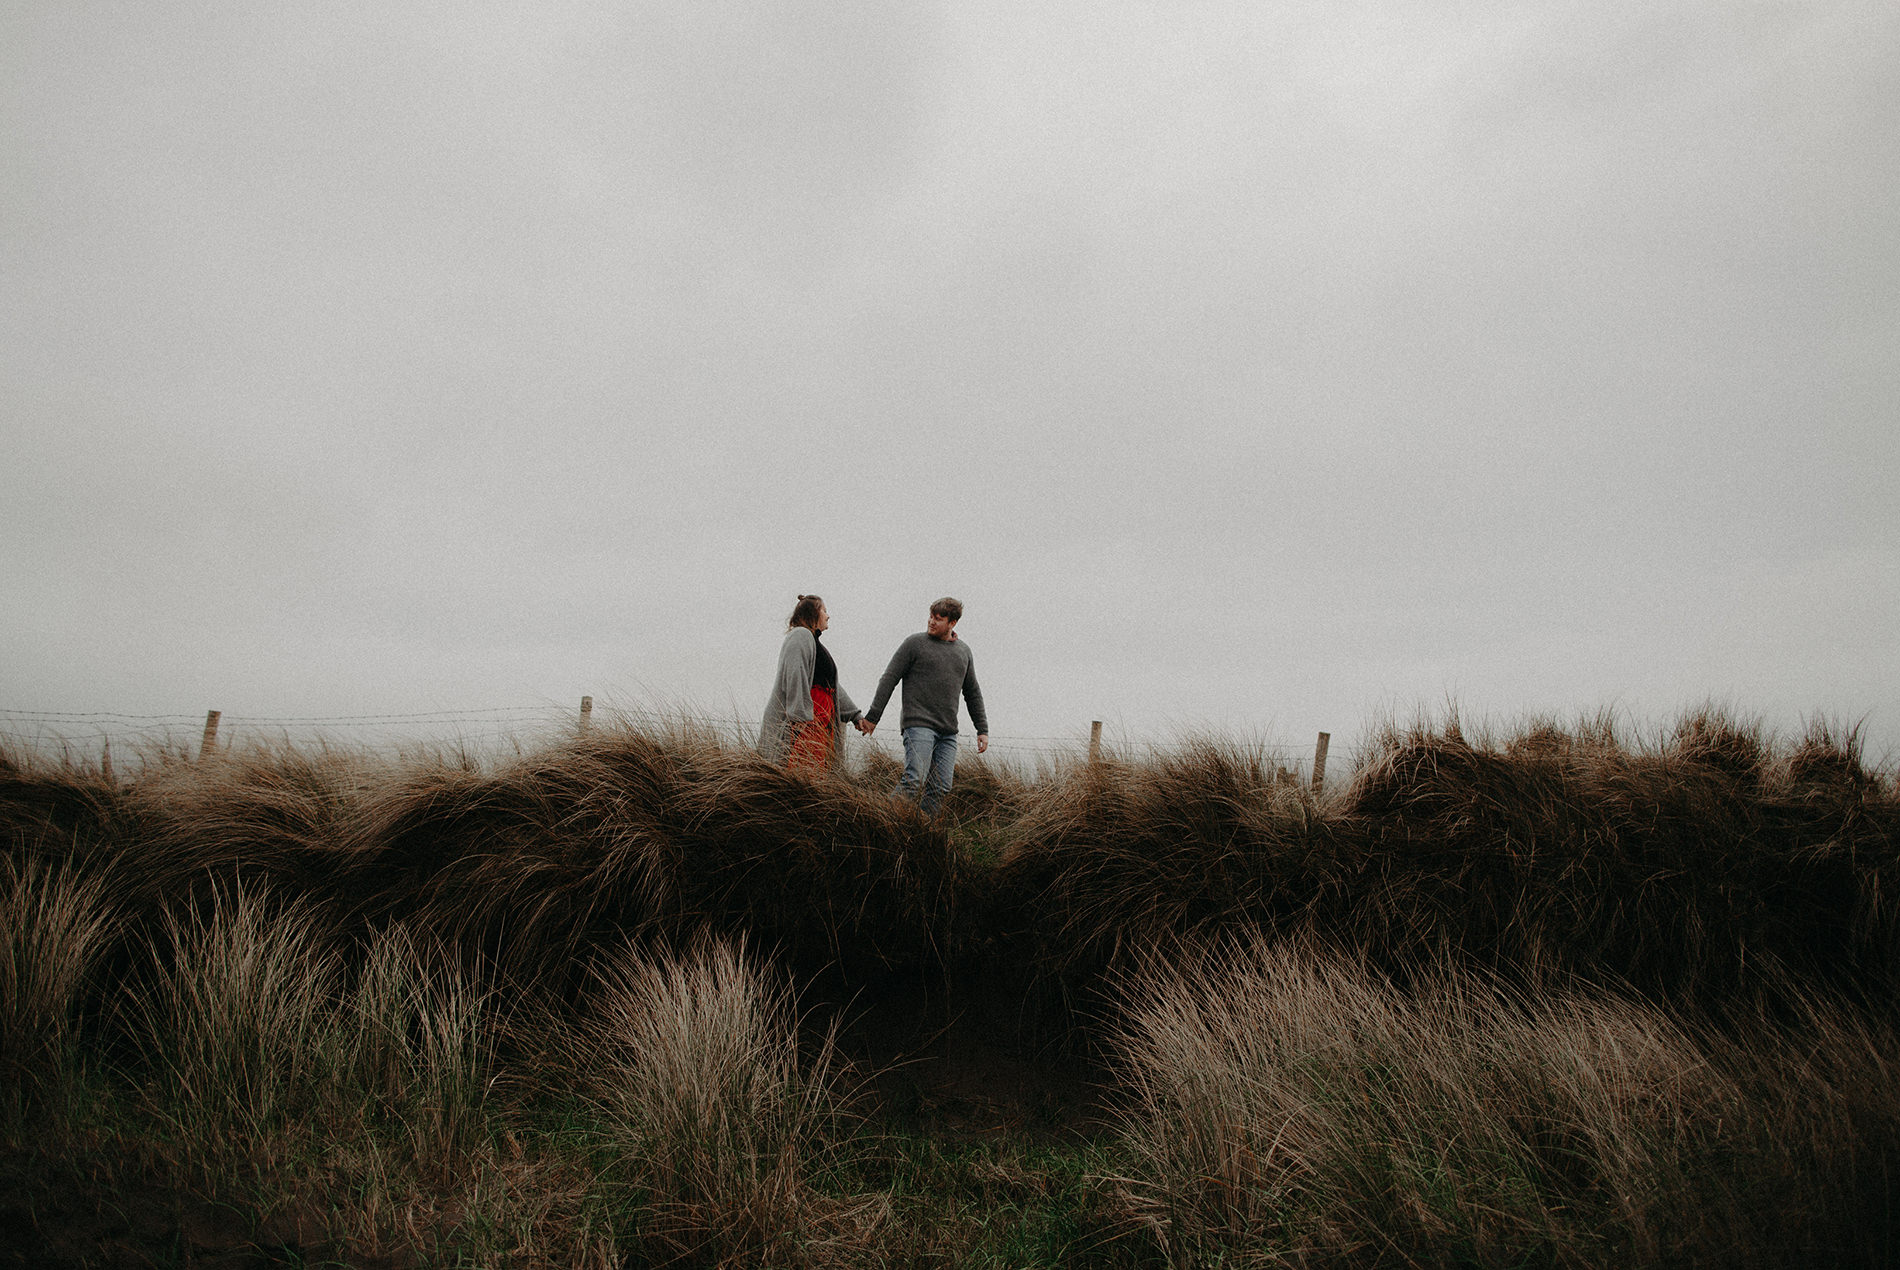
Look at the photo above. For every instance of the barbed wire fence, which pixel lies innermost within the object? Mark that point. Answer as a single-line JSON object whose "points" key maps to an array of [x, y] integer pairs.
{"points": [[497, 732]]}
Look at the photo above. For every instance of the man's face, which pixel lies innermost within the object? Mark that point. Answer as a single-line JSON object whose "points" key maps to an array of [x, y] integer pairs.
{"points": [[938, 626]]}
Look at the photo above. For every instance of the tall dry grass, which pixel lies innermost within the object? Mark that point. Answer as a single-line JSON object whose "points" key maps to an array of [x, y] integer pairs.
{"points": [[723, 1124], [237, 1016], [525, 866], [1290, 1106], [54, 922], [1696, 867], [273, 815], [345, 1104], [313, 964], [1114, 859], [1704, 866], [55, 808], [255, 1035], [415, 1048]]}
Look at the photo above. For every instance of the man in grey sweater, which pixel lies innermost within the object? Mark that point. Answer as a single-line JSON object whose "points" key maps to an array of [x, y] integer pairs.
{"points": [[935, 668]]}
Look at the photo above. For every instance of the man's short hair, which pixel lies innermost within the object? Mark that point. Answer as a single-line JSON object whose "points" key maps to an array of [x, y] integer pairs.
{"points": [[947, 607]]}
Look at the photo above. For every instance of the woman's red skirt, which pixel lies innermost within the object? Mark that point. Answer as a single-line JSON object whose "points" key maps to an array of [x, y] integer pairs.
{"points": [[812, 743]]}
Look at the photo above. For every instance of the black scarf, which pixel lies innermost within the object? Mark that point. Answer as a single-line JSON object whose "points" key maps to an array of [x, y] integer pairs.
{"points": [[825, 673]]}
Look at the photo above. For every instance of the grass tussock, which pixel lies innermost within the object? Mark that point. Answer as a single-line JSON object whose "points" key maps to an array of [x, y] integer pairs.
{"points": [[1121, 858], [1292, 1107], [56, 809], [255, 1034], [234, 1020], [1694, 869], [414, 1048], [269, 1095], [538, 865], [54, 922], [272, 815], [698, 1075]]}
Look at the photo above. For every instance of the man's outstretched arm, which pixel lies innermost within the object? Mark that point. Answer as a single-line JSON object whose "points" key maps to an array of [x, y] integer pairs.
{"points": [[899, 667]]}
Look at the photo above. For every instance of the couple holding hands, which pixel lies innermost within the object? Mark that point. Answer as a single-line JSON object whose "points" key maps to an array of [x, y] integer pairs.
{"points": [[802, 717]]}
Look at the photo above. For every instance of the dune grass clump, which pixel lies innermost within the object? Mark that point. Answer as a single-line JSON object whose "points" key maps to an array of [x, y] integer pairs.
{"points": [[236, 1018], [1289, 1106], [54, 924], [61, 811], [268, 819], [414, 1053], [1697, 869], [816, 867], [722, 1124], [251, 1030], [1118, 858], [525, 867], [535, 865], [284, 1099]]}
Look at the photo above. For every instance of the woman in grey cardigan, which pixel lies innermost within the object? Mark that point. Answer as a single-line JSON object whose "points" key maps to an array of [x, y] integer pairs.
{"points": [[800, 728]]}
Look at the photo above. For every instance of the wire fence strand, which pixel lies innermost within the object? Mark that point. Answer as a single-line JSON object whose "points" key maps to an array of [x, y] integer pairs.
{"points": [[501, 727]]}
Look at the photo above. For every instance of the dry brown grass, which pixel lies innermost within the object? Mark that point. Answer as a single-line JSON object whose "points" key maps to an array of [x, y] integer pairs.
{"points": [[695, 1064], [54, 924], [1696, 869], [308, 966], [1292, 1107]]}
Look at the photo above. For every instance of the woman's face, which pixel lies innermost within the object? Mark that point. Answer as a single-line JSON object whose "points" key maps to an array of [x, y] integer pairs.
{"points": [[824, 619]]}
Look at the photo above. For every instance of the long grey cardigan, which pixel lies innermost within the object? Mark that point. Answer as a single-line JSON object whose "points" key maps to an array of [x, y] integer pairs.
{"points": [[790, 702]]}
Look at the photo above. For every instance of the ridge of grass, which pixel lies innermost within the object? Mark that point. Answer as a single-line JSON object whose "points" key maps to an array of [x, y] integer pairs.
{"points": [[1550, 999]]}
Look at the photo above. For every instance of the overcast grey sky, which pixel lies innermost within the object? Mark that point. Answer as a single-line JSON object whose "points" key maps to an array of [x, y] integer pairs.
{"points": [[1268, 367]]}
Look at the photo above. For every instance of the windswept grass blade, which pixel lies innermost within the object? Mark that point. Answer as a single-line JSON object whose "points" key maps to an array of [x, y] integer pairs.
{"points": [[54, 923]]}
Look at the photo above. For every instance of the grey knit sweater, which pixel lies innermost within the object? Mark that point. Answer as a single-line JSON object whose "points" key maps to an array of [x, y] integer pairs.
{"points": [[934, 673]]}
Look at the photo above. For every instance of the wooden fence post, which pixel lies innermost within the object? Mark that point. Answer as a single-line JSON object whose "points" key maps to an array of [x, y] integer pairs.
{"points": [[105, 761], [1095, 741], [210, 741], [587, 714], [1319, 762]]}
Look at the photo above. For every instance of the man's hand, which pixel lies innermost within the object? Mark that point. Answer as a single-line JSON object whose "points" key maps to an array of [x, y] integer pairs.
{"points": [[982, 742], [866, 726]]}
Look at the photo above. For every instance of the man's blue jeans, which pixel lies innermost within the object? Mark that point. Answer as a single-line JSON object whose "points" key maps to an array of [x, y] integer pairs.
{"points": [[930, 760]]}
